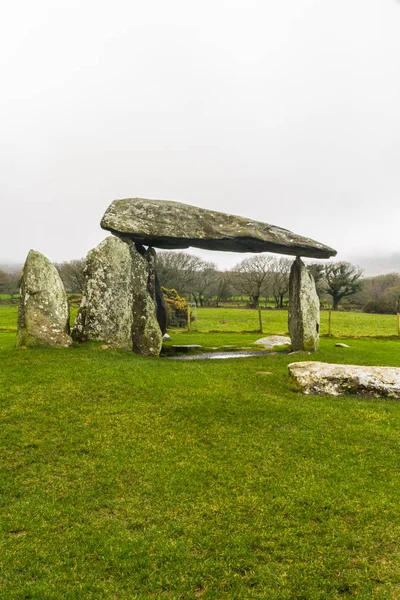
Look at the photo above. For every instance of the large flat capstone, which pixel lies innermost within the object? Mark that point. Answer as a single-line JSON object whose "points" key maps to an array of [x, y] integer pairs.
{"points": [[335, 380], [173, 225]]}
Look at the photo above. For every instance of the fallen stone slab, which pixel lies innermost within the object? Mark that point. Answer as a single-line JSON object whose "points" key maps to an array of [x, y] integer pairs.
{"points": [[173, 225], [273, 341], [335, 380], [340, 345]]}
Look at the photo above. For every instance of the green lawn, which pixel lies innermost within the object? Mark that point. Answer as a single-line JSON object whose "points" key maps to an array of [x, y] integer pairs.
{"points": [[126, 477], [275, 321]]}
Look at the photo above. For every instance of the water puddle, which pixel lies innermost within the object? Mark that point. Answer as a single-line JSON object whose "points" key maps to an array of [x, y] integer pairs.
{"points": [[222, 355]]}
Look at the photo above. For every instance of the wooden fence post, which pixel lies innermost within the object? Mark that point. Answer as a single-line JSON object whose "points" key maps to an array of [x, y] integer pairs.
{"points": [[260, 319]]}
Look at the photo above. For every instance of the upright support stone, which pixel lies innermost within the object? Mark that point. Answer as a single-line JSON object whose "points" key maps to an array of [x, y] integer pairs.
{"points": [[146, 332], [153, 286], [118, 306], [106, 309], [303, 308], [43, 315]]}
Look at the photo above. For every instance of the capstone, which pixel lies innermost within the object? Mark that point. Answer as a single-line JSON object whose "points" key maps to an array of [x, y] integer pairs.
{"points": [[174, 225]]}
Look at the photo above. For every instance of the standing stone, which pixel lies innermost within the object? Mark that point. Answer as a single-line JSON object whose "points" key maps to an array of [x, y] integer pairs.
{"points": [[303, 308], [106, 309], [43, 315], [117, 308], [153, 286], [146, 332]]}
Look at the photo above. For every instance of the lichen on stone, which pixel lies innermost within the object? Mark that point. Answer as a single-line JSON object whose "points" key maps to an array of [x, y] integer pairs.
{"points": [[117, 308], [304, 309], [43, 314]]}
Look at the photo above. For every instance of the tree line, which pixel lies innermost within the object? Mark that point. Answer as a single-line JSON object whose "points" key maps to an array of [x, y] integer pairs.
{"points": [[255, 278]]}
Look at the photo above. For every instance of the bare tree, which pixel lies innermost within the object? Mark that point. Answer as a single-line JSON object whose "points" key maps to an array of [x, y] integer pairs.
{"points": [[186, 273], [9, 283], [206, 275], [178, 270], [72, 274], [3, 280], [222, 287], [280, 279], [252, 276]]}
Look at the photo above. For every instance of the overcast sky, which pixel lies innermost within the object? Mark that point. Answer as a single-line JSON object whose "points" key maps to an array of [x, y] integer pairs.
{"points": [[282, 111]]}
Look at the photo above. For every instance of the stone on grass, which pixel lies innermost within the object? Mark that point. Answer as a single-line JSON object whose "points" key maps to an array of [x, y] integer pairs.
{"points": [[43, 315], [335, 380], [105, 313], [167, 337], [273, 341], [173, 225], [339, 345], [303, 309], [146, 332], [118, 305]]}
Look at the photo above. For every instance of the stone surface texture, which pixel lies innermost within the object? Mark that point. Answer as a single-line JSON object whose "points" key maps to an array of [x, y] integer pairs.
{"points": [[335, 380], [173, 225], [304, 307], [117, 307], [273, 341], [106, 309], [146, 332], [43, 315]]}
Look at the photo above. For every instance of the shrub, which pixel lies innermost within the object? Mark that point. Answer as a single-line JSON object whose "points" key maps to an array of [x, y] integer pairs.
{"points": [[380, 307], [176, 307]]}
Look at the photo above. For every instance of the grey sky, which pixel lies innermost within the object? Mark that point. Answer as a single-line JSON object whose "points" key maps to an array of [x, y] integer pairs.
{"points": [[283, 111]]}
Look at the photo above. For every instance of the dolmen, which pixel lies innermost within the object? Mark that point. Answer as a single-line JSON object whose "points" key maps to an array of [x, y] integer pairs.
{"points": [[123, 305]]}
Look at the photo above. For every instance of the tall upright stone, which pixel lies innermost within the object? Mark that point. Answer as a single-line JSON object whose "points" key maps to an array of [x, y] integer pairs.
{"points": [[43, 315], [105, 313], [304, 308], [117, 307], [146, 331]]}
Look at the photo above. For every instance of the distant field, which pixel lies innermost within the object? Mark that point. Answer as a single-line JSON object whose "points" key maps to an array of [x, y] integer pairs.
{"points": [[275, 321]]}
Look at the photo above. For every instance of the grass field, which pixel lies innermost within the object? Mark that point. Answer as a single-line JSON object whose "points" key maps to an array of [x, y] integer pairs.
{"points": [[275, 321], [126, 477]]}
